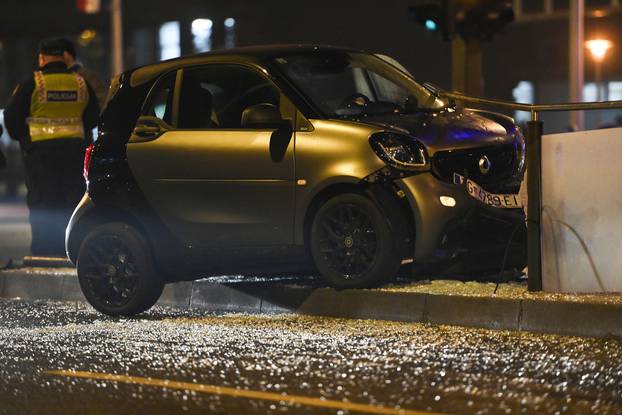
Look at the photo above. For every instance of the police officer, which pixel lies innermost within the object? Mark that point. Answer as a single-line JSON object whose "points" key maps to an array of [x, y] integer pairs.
{"points": [[48, 114]]}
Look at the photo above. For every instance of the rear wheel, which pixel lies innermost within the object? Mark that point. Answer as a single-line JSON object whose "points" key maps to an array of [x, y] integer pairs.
{"points": [[116, 271], [352, 243]]}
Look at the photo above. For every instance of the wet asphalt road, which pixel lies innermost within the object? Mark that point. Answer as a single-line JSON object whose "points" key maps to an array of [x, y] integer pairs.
{"points": [[310, 361], [14, 231]]}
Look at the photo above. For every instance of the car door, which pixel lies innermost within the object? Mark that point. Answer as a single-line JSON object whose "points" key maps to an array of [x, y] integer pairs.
{"points": [[215, 182]]}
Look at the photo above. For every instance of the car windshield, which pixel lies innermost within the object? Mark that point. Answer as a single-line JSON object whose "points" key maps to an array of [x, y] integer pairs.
{"points": [[348, 84]]}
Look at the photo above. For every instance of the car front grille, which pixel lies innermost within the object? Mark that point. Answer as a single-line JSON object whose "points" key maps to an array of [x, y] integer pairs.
{"points": [[501, 178]]}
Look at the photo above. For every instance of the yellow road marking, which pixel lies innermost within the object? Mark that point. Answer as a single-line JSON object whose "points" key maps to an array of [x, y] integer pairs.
{"points": [[239, 393]]}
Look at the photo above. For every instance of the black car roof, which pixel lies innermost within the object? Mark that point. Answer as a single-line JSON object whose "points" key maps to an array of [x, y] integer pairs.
{"points": [[255, 53], [268, 51]]}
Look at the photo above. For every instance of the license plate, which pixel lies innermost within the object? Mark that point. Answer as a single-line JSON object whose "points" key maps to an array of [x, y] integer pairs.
{"points": [[503, 201]]}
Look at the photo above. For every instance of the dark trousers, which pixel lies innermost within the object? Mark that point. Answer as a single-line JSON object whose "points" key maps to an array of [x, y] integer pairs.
{"points": [[55, 186]]}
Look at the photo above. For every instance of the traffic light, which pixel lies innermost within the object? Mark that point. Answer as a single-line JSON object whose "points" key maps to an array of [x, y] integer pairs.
{"points": [[470, 19], [484, 21], [435, 16]]}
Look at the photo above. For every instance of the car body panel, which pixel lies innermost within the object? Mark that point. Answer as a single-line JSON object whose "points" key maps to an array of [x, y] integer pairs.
{"points": [[199, 184], [448, 130], [71, 235], [423, 192], [335, 152]]}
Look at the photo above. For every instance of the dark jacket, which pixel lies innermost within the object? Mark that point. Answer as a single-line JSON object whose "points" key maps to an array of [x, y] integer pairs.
{"points": [[18, 108], [93, 80], [2, 158]]}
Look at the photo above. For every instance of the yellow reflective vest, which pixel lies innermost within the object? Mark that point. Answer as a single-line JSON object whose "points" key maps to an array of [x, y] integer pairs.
{"points": [[56, 106]]}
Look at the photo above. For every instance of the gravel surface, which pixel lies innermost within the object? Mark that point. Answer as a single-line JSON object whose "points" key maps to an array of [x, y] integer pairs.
{"points": [[511, 290], [393, 365]]}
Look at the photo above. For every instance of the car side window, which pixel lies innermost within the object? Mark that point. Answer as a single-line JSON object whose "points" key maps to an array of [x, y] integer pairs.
{"points": [[214, 97], [160, 101]]}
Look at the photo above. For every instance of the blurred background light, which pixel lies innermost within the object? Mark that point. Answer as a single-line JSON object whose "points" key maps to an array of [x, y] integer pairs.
{"points": [[598, 48], [430, 24], [202, 35], [229, 32], [87, 36], [169, 37]]}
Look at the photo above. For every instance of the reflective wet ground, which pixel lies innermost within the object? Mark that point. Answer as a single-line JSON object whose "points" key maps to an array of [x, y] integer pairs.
{"points": [[312, 363]]}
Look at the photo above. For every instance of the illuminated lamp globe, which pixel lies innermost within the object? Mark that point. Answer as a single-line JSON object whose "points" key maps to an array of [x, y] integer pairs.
{"points": [[598, 48]]}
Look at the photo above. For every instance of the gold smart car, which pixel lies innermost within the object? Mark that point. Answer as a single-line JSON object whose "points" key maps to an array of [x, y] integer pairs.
{"points": [[290, 160]]}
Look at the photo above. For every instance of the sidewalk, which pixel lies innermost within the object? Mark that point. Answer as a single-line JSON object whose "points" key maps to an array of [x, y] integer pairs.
{"points": [[448, 302], [12, 211]]}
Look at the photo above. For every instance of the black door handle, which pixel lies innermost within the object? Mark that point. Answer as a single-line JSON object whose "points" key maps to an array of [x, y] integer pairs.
{"points": [[147, 131]]}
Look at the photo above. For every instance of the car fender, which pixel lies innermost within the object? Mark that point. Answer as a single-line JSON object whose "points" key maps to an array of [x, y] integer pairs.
{"points": [[75, 227]]}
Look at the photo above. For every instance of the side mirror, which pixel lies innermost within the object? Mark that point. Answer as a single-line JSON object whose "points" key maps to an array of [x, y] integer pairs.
{"points": [[433, 87], [262, 116], [438, 92]]}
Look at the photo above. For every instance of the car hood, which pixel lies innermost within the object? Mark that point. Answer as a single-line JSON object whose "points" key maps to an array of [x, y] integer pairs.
{"points": [[450, 130]]}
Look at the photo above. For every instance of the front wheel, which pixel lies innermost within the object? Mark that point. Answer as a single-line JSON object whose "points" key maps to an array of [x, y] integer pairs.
{"points": [[353, 244], [116, 271]]}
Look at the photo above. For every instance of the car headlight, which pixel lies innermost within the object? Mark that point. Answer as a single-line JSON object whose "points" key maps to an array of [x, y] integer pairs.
{"points": [[400, 151]]}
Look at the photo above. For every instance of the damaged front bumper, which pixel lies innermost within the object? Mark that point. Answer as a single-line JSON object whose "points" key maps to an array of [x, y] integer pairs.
{"points": [[450, 224]]}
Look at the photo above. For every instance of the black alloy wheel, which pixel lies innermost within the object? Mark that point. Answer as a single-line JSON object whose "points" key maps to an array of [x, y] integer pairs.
{"points": [[116, 271], [348, 240], [352, 243]]}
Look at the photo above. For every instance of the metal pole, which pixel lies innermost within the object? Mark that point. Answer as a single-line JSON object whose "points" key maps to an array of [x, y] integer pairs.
{"points": [[599, 89], [467, 66], [458, 63], [116, 34], [575, 65], [518, 9], [598, 80], [534, 202], [548, 6]]}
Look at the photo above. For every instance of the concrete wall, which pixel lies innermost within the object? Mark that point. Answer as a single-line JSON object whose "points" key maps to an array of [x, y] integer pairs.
{"points": [[581, 221]]}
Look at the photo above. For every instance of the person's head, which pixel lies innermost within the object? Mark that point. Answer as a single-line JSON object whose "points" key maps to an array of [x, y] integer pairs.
{"points": [[50, 50], [70, 51]]}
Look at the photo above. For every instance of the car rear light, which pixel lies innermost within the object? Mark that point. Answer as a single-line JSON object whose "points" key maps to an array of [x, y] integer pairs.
{"points": [[87, 161]]}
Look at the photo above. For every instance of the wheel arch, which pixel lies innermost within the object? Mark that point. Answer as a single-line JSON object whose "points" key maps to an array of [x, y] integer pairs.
{"points": [[385, 196], [98, 216]]}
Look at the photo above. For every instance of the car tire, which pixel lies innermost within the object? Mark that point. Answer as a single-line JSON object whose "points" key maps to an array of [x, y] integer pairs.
{"points": [[353, 244], [116, 271]]}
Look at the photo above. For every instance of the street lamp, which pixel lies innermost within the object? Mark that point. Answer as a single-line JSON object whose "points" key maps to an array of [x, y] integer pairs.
{"points": [[598, 48]]}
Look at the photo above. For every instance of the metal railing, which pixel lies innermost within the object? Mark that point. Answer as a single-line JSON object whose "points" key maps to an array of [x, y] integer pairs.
{"points": [[533, 138], [534, 109]]}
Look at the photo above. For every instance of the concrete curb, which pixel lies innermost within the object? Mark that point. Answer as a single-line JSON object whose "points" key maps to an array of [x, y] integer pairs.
{"points": [[554, 317]]}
